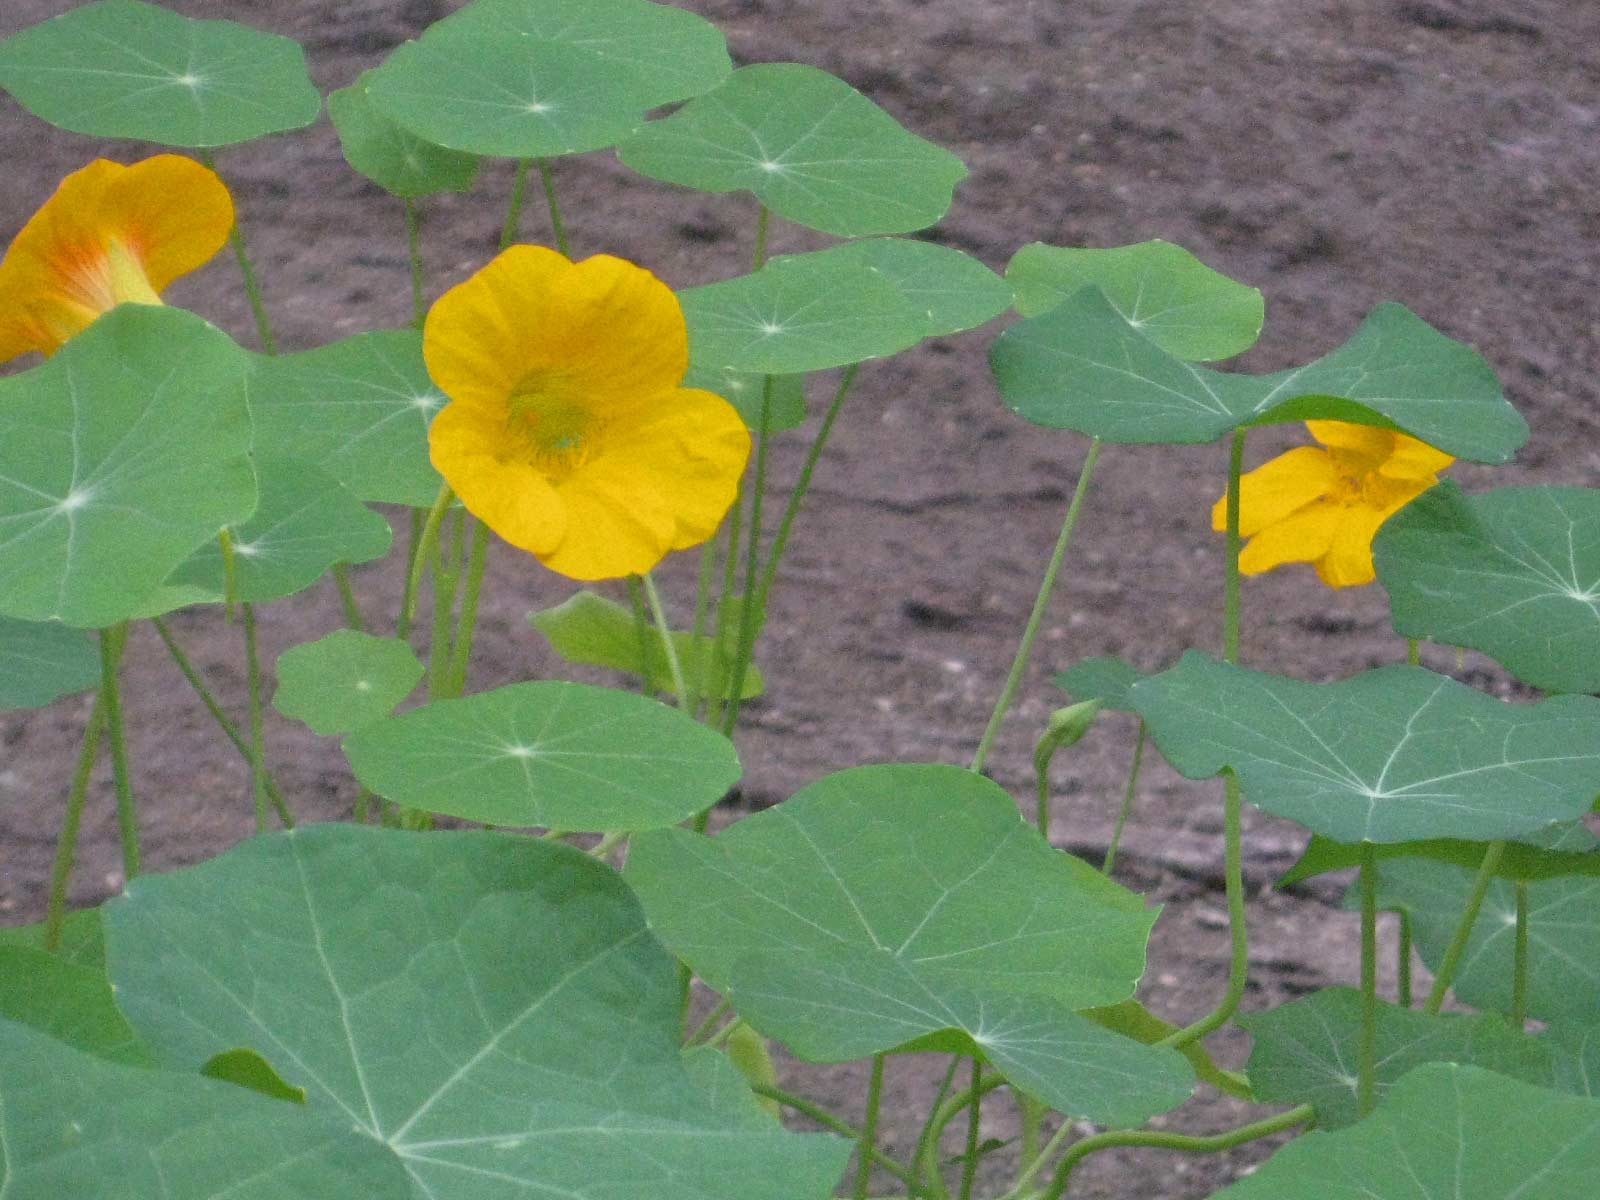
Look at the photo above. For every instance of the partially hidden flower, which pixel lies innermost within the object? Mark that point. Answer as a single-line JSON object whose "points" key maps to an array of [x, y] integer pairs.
{"points": [[567, 431], [1324, 505], [111, 234]]}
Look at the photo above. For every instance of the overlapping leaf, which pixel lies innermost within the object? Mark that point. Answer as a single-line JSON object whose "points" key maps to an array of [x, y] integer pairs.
{"points": [[879, 908], [562, 755], [41, 660], [125, 69], [537, 78], [1514, 573], [1082, 366], [810, 146], [359, 409], [1169, 295], [487, 1012], [390, 155], [1575, 1048], [1108, 680], [1391, 755], [70, 1002], [345, 680], [786, 403], [1565, 848], [118, 458]]}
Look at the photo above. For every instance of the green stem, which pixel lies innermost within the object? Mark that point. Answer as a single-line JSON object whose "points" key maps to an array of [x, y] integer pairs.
{"points": [[703, 654], [1367, 1059], [1413, 652], [717, 705], [948, 1109], [446, 581], [112, 642], [1519, 962], [1031, 1115], [230, 574], [1230, 601], [221, 718], [1187, 1143], [826, 1119], [67, 844], [252, 289], [258, 769], [763, 224], [402, 625], [705, 1026], [347, 598], [1127, 800], [674, 667], [467, 621], [752, 571], [607, 844], [1469, 918], [422, 551], [519, 191], [641, 634], [1403, 963], [419, 306], [969, 1163], [930, 1181], [548, 179], [723, 1034], [1008, 694], [869, 1128]]}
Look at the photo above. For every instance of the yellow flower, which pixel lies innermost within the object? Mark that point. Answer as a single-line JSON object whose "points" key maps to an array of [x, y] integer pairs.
{"points": [[110, 234], [567, 432], [1324, 506]]}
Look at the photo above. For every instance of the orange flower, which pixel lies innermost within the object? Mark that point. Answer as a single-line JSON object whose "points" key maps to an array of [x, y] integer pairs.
{"points": [[568, 433], [1325, 506], [110, 234]]}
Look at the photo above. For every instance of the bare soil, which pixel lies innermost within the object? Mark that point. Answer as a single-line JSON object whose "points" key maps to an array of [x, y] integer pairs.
{"points": [[1442, 153]]}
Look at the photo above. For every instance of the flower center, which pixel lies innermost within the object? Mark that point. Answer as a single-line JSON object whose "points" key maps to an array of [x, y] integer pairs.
{"points": [[557, 429]]}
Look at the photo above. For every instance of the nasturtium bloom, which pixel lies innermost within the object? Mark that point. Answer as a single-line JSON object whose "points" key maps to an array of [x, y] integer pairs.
{"points": [[111, 234], [1324, 505], [567, 431]]}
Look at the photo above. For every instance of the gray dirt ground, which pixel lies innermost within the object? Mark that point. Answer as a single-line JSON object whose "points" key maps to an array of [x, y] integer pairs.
{"points": [[1442, 153]]}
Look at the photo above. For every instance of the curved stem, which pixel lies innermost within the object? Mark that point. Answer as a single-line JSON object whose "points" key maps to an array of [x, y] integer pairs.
{"points": [[419, 306], [519, 191], [67, 843], [257, 743], [1367, 1058], [556, 227], [422, 551], [711, 1018], [826, 1119], [948, 1109], [1008, 693], [674, 667], [930, 1182], [347, 598], [1469, 918], [112, 642], [748, 611], [1519, 962], [1127, 800], [1188, 1143], [969, 1163], [869, 1128], [467, 621]]}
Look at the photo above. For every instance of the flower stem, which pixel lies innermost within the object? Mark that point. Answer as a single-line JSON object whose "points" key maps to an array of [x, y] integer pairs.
{"points": [[703, 655], [547, 178], [402, 625], [641, 634], [748, 615], [258, 769], [1127, 800], [519, 191], [467, 620], [826, 1119], [347, 598], [674, 667], [947, 1109], [1366, 1071], [67, 844], [969, 1164], [221, 718], [717, 705], [446, 581], [1008, 694], [420, 554], [1469, 918], [112, 642], [869, 1128], [1519, 962], [419, 307]]}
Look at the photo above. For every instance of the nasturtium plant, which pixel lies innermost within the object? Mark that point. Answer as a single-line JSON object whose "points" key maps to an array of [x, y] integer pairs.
{"points": [[69, 1001], [126, 69], [345, 680], [390, 155], [1562, 848], [43, 660], [1108, 680], [783, 395], [1513, 572], [119, 457]]}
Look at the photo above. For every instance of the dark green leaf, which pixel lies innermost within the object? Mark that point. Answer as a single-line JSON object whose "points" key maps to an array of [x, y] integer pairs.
{"points": [[41, 661], [390, 155], [1104, 679]]}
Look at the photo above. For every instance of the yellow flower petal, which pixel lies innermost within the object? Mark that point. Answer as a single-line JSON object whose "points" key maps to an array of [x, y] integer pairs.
{"points": [[110, 234], [1277, 488], [506, 493], [1304, 536], [1348, 562], [1366, 440], [1414, 460], [611, 533]]}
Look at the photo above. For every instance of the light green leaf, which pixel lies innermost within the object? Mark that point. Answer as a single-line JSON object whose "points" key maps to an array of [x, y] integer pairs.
{"points": [[247, 1069], [592, 630], [123, 69], [73, 1125], [41, 661], [1514, 573], [561, 755], [1132, 1019], [489, 1010], [1563, 935], [1445, 1132], [1183, 306], [359, 409], [1082, 366], [1575, 1047], [786, 408], [538, 78], [811, 147], [947, 290], [1533, 856], [1392, 755], [390, 155], [1307, 1052], [345, 680], [68, 1001], [1105, 679], [878, 909], [118, 457], [801, 312], [305, 522]]}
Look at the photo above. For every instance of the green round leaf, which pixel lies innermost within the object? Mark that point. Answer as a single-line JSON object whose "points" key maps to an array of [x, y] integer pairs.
{"points": [[1183, 306], [877, 909], [1108, 680], [359, 409], [1391, 755], [560, 755], [947, 290], [786, 407], [1082, 366], [1514, 573], [1444, 1132], [814, 149], [1306, 1052], [118, 457], [305, 522], [41, 661], [486, 1010], [345, 680], [124, 69], [539, 78], [390, 155]]}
